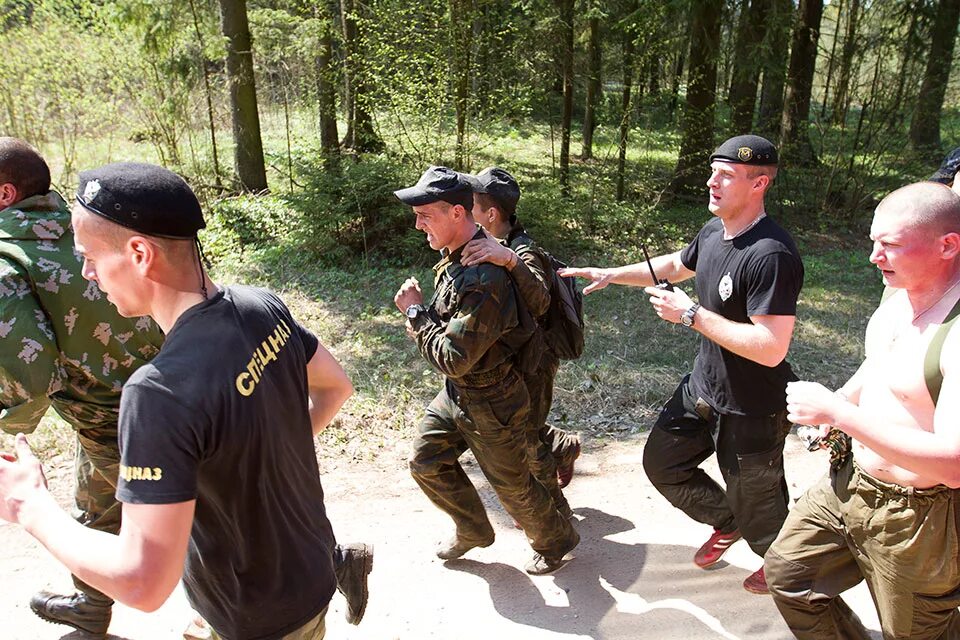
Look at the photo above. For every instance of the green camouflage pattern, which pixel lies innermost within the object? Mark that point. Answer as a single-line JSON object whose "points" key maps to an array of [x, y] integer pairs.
{"points": [[473, 325], [491, 423], [61, 342]]}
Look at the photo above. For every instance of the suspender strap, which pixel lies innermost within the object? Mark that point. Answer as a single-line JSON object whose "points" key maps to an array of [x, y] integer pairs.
{"points": [[931, 361]]}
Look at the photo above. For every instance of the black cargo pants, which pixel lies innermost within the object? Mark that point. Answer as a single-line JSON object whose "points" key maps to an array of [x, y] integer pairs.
{"points": [[750, 455]]}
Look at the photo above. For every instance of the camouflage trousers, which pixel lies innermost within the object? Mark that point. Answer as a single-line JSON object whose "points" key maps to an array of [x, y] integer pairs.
{"points": [[96, 468], [491, 423], [543, 438], [316, 629], [851, 527]]}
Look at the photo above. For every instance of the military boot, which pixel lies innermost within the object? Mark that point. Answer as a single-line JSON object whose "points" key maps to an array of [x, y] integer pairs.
{"points": [[80, 611], [353, 563]]}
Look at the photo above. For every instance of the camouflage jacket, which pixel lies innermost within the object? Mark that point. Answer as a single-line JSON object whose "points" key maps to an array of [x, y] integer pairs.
{"points": [[472, 326], [531, 275], [61, 341]]}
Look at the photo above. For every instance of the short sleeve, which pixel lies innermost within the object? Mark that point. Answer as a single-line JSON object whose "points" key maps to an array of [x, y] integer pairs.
{"points": [[161, 446], [774, 285], [29, 358], [690, 253]]}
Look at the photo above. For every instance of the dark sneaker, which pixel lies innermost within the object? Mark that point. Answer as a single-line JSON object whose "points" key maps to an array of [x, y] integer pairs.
{"points": [[541, 565], [354, 564], [565, 468], [455, 547], [78, 611], [756, 582], [714, 548]]}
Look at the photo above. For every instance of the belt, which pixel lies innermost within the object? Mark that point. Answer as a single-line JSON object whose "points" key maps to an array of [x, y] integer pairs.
{"points": [[485, 378]]}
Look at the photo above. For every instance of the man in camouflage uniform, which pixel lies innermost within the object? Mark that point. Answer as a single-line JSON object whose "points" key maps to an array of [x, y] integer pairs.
{"points": [[471, 332], [551, 451], [62, 344]]}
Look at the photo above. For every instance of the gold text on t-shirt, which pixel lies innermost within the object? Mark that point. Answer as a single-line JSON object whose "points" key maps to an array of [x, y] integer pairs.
{"points": [[266, 353]]}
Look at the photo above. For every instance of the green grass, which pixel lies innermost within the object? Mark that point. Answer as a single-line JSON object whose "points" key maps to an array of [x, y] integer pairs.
{"points": [[336, 251]]}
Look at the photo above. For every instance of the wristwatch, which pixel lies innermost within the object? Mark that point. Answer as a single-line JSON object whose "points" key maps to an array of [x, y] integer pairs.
{"points": [[687, 318], [414, 310]]}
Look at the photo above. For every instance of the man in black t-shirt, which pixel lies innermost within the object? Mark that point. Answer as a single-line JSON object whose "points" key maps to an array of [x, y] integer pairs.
{"points": [[218, 476], [749, 276]]}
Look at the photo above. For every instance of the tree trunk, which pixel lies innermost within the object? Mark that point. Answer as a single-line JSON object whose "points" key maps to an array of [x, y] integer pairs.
{"points": [[678, 68], [248, 149], [326, 93], [841, 99], [925, 126], [698, 116], [208, 94], [460, 28], [594, 87], [774, 68], [360, 133], [349, 26], [831, 62], [794, 137], [566, 43], [907, 53], [624, 113], [746, 66]]}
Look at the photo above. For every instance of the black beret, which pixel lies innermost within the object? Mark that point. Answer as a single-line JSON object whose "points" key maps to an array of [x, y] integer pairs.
{"points": [[500, 185], [948, 168], [746, 150], [143, 197], [438, 183]]}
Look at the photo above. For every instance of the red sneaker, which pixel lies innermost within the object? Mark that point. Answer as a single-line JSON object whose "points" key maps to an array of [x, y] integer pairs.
{"points": [[756, 582], [714, 548]]}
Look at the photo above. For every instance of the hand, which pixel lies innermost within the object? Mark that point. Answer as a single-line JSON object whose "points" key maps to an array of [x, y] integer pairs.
{"points": [[669, 305], [812, 403], [21, 478], [599, 278], [487, 249], [408, 294]]}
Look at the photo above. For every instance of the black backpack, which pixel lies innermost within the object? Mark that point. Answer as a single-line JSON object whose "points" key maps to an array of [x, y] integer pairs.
{"points": [[563, 322]]}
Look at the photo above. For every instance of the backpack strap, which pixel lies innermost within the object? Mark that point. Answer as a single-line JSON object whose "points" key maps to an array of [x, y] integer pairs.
{"points": [[932, 374]]}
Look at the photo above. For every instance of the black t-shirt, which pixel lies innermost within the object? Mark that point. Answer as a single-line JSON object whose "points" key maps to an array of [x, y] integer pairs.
{"points": [[221, 415], [755, 274]]}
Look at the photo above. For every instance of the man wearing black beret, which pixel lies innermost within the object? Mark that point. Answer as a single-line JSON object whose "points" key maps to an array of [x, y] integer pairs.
{"points": [[472, 332], [749, 275], [218, 477]]}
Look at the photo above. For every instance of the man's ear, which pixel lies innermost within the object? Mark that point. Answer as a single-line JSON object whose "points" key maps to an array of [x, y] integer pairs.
{"points": [[950, 245], [8, 194], [142, 253], [762, 181]]}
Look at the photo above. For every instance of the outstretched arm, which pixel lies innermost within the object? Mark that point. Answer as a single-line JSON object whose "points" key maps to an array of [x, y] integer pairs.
{"points": [[667, 267]]}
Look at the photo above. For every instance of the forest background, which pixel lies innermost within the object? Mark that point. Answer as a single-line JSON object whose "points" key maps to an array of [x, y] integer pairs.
{"points": [[295, 120]]}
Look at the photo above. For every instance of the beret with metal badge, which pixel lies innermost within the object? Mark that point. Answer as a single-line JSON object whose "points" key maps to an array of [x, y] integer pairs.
{"points": [[748, 149]]}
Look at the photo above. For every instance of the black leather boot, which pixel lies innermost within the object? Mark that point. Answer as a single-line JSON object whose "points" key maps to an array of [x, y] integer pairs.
{"points": [[79, 611], [353, 563]]}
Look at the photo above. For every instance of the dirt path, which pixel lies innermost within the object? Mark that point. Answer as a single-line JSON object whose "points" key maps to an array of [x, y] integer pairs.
{"points": [[632, 577]]}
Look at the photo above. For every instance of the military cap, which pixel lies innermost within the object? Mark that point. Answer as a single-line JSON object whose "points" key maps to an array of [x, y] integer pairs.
{"points": [[143, 197], [746, 150], [500, 185], [948, 169], [438, 183]]}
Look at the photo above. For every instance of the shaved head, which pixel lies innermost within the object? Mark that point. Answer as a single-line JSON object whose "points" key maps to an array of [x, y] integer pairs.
{"points": [[927, 205]]}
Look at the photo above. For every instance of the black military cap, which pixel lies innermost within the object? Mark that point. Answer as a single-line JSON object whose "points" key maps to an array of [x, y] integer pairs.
{"points": [[438, 183], [499, 184], [143, 197], [746, 150], [948, 169]]}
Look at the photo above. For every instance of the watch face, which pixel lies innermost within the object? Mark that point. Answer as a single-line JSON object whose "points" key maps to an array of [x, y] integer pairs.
{"points": [[413, 310]]}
